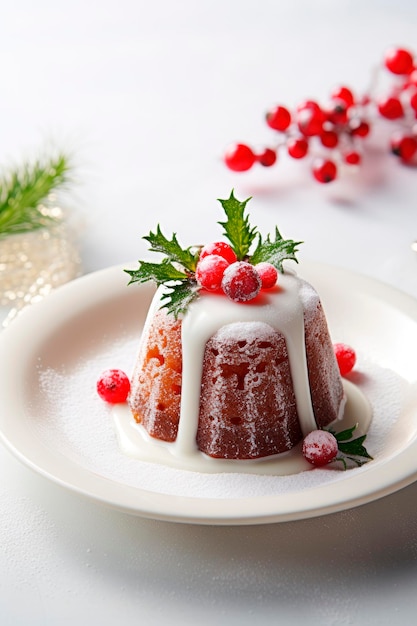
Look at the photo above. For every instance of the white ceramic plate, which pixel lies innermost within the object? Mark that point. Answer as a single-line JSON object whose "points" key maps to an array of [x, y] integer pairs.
{"points": [[93, 314]]}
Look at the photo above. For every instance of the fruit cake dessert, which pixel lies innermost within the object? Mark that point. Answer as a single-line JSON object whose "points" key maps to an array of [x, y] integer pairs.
{"points": [[235, 358]]}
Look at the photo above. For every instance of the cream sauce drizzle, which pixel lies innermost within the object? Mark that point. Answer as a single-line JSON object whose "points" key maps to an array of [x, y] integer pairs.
{"points": [[135, 442], [281, 308]]}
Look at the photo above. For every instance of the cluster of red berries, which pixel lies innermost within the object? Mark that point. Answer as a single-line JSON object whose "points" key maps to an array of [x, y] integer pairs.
{"points": [[333, 134], [219, 270]]}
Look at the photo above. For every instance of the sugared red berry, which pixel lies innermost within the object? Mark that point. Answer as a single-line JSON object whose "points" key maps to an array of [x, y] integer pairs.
{"points": [[413, 101], [390, 108], [239, 157], [268, 274], [297, 147], [403, 146], [113, 386], [343, 93], [309, 104], [209, 271], [324, 170], [241, 282], [310, 121], [278, 118], [329, 138], [359, 128], [320, 447], [221, 248], [337, 111], [352, 157], [345, 357], [412, 79], [267, 157], [399, 61]]}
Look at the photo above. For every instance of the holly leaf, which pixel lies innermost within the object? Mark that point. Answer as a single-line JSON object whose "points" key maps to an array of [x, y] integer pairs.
{"points": [[159, 272], [237, 228], [275, 251], [352, 449], [344, 461], [172, 249], [355, 447], [178, 297], [344, 435]]}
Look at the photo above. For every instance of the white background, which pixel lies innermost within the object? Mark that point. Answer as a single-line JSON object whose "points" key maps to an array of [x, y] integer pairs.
{"points": [[146, 96]]}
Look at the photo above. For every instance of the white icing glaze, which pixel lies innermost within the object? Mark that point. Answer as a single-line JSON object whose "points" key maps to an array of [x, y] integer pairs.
{"points": [[281, 308]]}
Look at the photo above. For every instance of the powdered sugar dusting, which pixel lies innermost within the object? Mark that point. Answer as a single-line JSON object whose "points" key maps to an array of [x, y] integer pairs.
{"points": [[310, 299], [319, 447]]}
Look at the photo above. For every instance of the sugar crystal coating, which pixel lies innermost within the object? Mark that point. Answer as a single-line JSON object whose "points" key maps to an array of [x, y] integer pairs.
{"points": [[241, 282], [320, 447]]}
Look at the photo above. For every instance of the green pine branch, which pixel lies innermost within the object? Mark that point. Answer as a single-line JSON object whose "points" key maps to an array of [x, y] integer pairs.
{"points": [[22, 191]]}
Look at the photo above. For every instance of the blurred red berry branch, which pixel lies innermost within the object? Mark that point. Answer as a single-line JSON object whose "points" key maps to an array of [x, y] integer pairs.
{"points": [[333, 134]]}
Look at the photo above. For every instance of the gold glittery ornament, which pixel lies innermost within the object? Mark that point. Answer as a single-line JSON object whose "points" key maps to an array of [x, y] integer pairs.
{"points": [[37, 244], [34, 263]]}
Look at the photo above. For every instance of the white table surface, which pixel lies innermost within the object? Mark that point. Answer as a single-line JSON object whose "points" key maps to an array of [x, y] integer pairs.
{"points": [[146, 96]]}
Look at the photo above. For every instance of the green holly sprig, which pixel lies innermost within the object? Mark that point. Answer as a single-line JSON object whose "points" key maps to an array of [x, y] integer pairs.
{"points": [[352, 450], [177, 268]]}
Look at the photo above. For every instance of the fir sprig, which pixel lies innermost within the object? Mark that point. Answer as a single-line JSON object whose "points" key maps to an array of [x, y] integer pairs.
{"points": [[23, 190], [177, 268], [352, 449]]}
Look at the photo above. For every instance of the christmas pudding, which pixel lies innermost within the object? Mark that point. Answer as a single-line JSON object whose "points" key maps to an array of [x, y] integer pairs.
{"points": [[235, 359]]}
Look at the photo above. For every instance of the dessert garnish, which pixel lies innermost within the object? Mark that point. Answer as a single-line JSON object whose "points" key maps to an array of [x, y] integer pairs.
{"points": [[229, 268], [321, 447], [113, 386], [345, 357]]}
